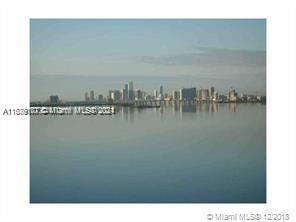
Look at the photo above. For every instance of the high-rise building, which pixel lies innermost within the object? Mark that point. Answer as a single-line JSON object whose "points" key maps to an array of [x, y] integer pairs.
{"points": [[155, 93], [54, 99], [232, 95], [211, 92], [126, 92], [188, 94], [204, 94], [143, 94], [100, 98], [109, 93], [123, 95], [161, 90], [215, 97], [92, 95], [139, 94], [131, 86], [115, 95], [86, 96], [131, 91], [148, 97], [176, 95], [222, 98]]}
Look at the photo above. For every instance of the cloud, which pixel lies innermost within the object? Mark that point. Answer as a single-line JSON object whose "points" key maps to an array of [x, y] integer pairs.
{"points": [[208, 57]]}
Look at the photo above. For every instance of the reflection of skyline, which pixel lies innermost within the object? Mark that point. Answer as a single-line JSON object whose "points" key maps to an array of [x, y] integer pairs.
{"points": [[131, 114]]}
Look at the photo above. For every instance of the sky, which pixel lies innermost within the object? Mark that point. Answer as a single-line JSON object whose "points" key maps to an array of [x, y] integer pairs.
{"points": [[71, 56]]}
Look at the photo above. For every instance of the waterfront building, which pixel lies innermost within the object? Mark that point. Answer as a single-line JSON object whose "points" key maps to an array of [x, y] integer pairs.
{"points": [[143, 94], [54, 99], [131, 91], [138, 94], [215, 97], [147, 97], [222, 98], [176, 95], [115, 95], [188, 94], [204, 94], [122, 95], [86, 98], [244, 97], [100, 98], [126, 92], [155, 93], [161, 91], [92, 95], [109, 93], [232, 95], [249, 98], [211, 93]]}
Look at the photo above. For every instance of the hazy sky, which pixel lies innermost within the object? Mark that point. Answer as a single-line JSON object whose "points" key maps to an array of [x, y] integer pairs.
{"points": [[69, 57]]}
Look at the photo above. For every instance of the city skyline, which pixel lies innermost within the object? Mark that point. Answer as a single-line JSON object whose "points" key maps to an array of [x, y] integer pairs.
{"points": [[68, 56], [129, 94]]}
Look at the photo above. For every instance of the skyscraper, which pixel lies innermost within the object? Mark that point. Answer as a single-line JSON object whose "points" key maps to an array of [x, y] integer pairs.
{"points": [[122, 95], [139, 94], [232, 95], [188, 94], [155, 93], [176, 95], [100, 98], [125, 92], [211, 92], [131, 91], [86, 96], [92, 95], [115, 95], [204, 94], [161, 90]]}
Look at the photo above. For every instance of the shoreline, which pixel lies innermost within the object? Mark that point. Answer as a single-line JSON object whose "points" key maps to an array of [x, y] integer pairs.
{"points": [[139, 104]]}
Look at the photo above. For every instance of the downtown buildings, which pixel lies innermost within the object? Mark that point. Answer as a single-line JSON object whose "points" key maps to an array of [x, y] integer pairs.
{"points": [[188, 94], [129, 95]]}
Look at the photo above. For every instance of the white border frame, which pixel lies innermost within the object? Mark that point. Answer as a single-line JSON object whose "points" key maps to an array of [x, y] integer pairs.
{"points": [[14, 93]]}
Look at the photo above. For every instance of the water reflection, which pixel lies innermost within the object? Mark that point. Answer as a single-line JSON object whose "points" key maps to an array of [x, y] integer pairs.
{"points": [[208, 107], [232, 107], [175, 153], [129, 114]]}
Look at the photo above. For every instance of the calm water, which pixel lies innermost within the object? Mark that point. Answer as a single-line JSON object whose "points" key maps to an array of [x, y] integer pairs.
{"points": [[198, 154]]}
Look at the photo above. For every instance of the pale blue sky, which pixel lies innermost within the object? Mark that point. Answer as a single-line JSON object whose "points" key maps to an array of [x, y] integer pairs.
{"points": [[195, 52]]}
